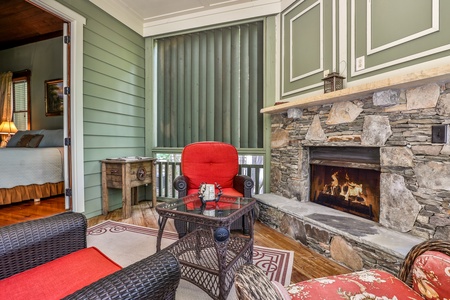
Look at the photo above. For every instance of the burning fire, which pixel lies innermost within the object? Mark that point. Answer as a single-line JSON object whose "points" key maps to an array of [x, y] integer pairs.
{"points": [[351, 191]]}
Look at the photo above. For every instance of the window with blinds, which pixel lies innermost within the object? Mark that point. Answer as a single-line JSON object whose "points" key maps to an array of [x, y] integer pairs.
{"points": [[21, 100], [210, 87]]}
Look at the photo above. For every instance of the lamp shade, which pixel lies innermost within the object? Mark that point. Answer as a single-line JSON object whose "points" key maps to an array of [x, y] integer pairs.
{"points": [[7, 127]]}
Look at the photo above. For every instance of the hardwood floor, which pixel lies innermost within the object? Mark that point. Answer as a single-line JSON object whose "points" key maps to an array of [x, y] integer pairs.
{"points": [[30, 210], [307, 263]]}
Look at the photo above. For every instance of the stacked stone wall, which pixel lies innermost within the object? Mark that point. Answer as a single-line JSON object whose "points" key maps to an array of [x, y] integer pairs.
{"points": [[415, 173]]}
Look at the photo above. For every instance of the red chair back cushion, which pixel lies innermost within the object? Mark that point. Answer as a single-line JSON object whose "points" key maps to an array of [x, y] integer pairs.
{"points": [[210, 162], [431, 275]]}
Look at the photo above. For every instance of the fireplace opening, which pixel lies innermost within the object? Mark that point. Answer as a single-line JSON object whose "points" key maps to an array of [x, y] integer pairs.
{"points": [[346, 179]]}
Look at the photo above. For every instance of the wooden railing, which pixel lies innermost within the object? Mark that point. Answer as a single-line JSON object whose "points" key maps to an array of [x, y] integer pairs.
{"points": [[166, 172]]}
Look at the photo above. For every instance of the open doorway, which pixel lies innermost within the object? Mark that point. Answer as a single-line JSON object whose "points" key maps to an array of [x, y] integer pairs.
{"points": [[35, 41]]}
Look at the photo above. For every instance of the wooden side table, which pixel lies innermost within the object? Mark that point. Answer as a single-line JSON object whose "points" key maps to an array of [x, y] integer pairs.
{"points": [[128, 174]]}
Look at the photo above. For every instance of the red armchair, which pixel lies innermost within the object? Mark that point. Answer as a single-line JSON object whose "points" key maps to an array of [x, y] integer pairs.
{"points": [[211, 162]]}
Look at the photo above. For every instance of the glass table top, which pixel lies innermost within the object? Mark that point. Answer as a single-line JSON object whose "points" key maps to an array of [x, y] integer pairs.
{"points": [[193, 205]]}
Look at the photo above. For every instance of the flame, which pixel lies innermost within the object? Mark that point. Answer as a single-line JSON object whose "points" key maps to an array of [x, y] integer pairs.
{"points": [[349, 190]]}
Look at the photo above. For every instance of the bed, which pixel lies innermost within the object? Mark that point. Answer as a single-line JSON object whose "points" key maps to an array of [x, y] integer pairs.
{"points": [[32, 166]]}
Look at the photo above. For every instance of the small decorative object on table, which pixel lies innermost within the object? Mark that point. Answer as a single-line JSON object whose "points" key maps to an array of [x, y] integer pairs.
{"points": [[207, 192]]}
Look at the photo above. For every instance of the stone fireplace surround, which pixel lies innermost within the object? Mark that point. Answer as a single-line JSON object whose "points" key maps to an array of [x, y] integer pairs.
{"points": [[414, 183]]}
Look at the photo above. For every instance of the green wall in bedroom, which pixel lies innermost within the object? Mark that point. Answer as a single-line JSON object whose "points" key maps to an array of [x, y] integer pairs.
{"points": [[114, 97], [44, 60]]}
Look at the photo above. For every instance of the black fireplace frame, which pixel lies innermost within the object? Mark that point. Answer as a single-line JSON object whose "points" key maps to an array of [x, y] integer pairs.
{"points": [[355, 160]]}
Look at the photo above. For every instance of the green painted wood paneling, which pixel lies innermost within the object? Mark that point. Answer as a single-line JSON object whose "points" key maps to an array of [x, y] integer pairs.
{"points": [[114, 96]]}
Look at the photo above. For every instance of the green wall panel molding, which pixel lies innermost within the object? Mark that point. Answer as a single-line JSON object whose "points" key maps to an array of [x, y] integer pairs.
{"points": [[384, 16], [309, 32], [359, 39], [396, 34]]}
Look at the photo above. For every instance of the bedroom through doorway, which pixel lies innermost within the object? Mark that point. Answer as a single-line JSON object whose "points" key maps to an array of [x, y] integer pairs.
{"points": [[17, 17]]}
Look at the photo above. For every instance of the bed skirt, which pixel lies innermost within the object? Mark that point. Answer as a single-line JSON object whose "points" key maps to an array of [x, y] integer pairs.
{"points": [[33, 191]]}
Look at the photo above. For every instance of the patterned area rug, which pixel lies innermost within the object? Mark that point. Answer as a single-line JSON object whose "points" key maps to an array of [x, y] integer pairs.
{"points": [[126, 244]]}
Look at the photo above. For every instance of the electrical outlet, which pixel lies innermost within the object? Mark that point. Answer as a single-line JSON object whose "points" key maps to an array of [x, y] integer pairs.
{"points": [[325, 73], [360, 63]]}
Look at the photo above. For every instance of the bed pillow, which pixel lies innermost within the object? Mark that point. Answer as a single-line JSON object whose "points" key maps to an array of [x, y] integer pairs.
{"points": [[35, 141], [52, 138], [18, 135], [24, 140], [29, 140]]}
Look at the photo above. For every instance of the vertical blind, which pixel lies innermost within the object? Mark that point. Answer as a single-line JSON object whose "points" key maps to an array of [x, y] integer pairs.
{"points": [[210, 87]]}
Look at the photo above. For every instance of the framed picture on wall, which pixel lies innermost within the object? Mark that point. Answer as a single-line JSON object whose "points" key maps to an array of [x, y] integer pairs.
{"points": [[54, 97]]}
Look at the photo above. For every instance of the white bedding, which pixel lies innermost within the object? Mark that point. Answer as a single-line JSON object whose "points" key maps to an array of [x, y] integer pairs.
{"points": [[25, 166]]}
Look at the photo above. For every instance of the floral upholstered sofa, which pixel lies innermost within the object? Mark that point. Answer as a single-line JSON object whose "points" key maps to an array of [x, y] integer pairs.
{"points": [[425, 274]]}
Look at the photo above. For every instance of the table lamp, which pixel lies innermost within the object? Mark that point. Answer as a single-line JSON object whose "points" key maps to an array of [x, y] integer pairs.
{"points": [[8, 127]]}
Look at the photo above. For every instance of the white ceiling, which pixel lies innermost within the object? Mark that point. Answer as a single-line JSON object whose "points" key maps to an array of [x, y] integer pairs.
{"points": [[160, 9], [153, 17]]}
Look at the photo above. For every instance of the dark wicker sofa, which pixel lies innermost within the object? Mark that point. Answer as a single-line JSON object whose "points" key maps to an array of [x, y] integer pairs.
{"points": [[27, 245]]}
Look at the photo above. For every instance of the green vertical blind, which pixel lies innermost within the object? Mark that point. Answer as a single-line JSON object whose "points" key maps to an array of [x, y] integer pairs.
{"points": [[210, 87], [20, 112]]}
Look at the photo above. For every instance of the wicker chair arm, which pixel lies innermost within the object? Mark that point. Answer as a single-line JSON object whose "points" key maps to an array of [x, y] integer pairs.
{"points": [[155, 277], [252, 284], [181, 183], [405, 273], [244, 185], [26, 245]]}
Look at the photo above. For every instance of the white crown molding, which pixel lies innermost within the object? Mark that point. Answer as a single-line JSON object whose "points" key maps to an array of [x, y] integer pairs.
{"points": [[122, 13], [230, 13], [211, 17]]}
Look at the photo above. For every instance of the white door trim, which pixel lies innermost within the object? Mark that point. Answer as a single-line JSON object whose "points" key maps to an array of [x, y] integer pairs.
{"points": [[76, 90]]}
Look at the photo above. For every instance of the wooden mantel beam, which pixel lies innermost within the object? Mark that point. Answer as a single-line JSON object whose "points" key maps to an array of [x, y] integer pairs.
{"points": [[410, 80]]}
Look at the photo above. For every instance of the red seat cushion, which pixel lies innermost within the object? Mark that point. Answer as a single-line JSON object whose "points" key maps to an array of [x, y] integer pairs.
{"points": [[369, 284], [431, 275], [209, 162], [60, 277]]}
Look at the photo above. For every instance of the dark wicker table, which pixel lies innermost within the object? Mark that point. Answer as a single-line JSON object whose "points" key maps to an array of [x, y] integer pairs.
{"points": [[210, 254]]}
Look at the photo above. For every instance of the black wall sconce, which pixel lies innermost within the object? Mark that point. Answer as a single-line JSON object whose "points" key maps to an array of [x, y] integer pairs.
{"points": [[439, 134], [333, 82]]}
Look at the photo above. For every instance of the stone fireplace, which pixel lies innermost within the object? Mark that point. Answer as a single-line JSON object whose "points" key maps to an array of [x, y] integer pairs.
{"points": [[346, 179], [414, 173]]}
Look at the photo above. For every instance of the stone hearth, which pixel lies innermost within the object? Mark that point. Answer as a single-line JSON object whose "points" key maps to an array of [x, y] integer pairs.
{"points": [[415, 173], [350, 240]]}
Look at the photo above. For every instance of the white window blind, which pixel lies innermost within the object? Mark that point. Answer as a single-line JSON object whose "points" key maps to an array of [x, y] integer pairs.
{"points": [[20, 110]]}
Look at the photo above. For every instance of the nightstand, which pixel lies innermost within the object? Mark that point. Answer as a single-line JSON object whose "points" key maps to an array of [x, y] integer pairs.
{"points": [[127, 173]]}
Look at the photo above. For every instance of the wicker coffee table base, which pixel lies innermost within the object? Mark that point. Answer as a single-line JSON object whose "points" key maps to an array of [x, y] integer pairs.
{"points": [[211, 264]]}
